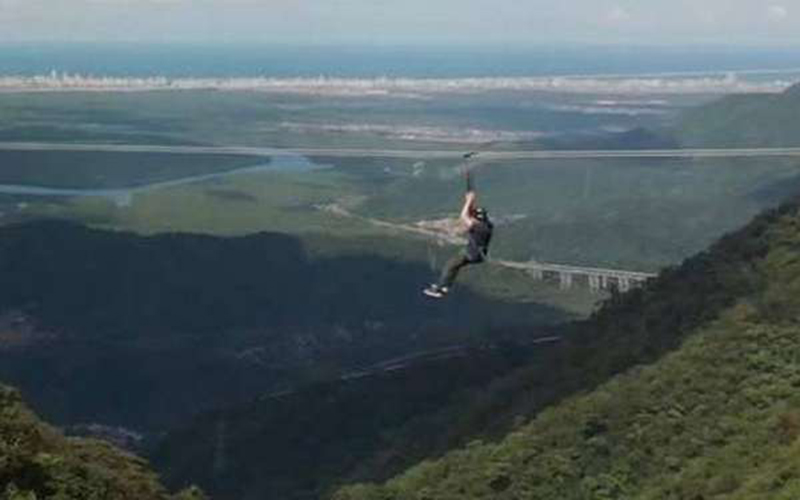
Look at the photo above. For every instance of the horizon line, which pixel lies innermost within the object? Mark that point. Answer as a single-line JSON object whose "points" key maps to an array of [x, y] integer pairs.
{"points": [[520, 44]]}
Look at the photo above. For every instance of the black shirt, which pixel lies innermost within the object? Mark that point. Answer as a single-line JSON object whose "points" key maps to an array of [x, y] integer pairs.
{"points": [[479, 235]]}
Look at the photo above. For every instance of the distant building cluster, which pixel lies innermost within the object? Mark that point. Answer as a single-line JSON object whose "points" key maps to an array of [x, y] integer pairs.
{"points": [[408, 87]]}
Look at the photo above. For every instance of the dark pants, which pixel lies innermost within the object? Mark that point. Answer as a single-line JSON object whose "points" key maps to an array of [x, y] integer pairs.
{"points": [[452, 268]]}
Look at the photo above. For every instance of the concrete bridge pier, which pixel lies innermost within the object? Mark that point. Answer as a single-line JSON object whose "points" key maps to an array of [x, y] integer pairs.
{"points": [[597, 278], [595, 282], [565, 280]]}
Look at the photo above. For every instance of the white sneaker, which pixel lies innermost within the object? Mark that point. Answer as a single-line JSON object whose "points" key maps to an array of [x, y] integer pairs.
{"points": [[435, 291]]}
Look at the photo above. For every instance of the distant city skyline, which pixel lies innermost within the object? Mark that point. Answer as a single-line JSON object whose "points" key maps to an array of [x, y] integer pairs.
{"points": [[384, 22]]}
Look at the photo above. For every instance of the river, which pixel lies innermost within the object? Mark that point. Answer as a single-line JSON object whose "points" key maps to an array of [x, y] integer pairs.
{"points": [[280, 162]]}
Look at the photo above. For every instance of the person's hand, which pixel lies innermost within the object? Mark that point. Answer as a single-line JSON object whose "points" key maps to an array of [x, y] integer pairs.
{"points": [[470, 196]]}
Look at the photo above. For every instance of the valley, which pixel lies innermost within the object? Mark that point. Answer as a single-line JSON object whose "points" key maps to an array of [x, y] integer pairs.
{"points": [[232, 281]]}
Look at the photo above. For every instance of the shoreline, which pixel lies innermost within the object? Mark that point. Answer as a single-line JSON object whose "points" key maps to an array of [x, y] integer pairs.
{"points": [[665, 84]]}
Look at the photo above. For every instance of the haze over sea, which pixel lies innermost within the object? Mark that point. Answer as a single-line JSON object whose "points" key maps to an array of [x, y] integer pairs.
{"points": [[235, 60]]}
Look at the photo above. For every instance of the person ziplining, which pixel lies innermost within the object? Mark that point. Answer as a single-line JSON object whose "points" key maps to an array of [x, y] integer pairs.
{"points": [[479, 229]]}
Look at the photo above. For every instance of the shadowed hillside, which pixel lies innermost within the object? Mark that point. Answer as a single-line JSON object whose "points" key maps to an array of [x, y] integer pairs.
{"points": [[299, 444], [145, 331]]}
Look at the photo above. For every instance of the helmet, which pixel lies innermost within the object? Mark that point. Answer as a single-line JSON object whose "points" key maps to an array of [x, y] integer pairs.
{"points": [[481, 214]]}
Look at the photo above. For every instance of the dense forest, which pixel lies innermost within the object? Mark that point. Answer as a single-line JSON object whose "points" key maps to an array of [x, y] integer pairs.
{"points": [[685, 389], [728, 304], [36, 461]]}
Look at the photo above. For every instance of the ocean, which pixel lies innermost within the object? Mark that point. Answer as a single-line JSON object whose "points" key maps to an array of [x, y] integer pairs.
{"points": [[232, 61]]}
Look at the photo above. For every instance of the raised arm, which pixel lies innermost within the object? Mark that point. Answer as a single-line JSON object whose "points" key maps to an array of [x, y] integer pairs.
{"points": [[466, 211]]}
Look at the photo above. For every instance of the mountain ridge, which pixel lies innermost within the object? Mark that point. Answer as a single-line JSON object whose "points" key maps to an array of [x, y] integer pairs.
{"points": [[712, 416], [630, 329]]}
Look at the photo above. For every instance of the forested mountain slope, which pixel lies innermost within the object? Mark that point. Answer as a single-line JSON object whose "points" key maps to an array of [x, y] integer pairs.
{"points": [[752, 266], [37, 462], [743, 121], [703, 404]]}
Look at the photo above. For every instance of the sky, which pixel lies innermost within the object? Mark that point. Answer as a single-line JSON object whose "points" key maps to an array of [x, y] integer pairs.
{"points": [[398, 22]]}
